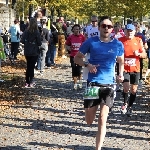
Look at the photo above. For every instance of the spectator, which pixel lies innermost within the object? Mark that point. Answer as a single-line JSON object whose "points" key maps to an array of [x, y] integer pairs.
{"points": [[51, 53], [44, 47], [14, 30], [22, 26], [31, 40]]}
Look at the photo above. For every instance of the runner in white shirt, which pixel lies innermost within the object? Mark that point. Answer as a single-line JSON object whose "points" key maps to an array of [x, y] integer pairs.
{"points": [[91, 30]]}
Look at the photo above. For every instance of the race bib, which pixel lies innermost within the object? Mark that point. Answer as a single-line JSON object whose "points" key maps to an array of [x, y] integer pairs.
{"points": [[91, 93], [130, 61]]}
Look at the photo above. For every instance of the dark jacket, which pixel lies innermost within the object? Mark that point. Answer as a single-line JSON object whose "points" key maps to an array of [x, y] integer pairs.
{"points": [[53, 38], [45, 35], [31, 42]]}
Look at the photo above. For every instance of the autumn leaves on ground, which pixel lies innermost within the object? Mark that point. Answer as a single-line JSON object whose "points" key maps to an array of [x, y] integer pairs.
{"points": [[12, 90]]}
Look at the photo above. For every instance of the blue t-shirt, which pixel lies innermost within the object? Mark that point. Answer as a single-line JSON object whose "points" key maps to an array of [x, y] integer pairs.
{"points": [[15, 33], [104, 55]]}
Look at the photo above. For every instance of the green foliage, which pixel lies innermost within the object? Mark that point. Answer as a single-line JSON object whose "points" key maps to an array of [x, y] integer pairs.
{"points": [[83, 9]]}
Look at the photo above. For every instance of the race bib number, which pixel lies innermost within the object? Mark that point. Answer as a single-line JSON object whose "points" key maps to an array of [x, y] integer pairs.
{"points": [[91, 93], [130, 61]]}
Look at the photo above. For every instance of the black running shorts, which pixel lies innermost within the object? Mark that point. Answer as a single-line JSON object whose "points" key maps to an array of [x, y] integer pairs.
{"points": [[106, 96], [76, 69], [132, 77]]}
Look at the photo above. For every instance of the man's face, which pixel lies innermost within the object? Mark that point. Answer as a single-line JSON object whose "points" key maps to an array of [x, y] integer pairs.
{"points": [[137, 27], [39, 14], [130, 33], [94, 21], [117, 28], [105, 28]]}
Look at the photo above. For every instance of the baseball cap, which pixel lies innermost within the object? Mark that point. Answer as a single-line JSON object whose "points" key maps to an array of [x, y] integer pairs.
{"points": [[130, 27]]}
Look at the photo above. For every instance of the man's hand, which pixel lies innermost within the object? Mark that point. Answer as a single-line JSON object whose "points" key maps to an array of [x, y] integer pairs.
{"points": [[120, 78], [92, 68], [136, 53]]}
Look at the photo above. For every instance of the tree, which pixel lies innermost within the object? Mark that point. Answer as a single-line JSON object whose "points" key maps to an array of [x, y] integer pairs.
{"points": [[83, 9]]}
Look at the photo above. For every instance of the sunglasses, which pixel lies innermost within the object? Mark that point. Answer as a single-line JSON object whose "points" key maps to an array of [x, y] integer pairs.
{"points": [[94, 21], [105, 25]]}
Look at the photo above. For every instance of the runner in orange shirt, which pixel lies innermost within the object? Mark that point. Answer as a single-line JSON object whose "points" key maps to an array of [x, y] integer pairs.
{"points": [[133, 51]]}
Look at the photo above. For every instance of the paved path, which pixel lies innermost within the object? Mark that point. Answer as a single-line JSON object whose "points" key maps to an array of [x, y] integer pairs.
{"points": [[51, 117]]}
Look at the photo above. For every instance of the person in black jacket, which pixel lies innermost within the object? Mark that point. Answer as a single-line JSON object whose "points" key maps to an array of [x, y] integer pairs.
{"points": [[32, 40], [51, 53]]}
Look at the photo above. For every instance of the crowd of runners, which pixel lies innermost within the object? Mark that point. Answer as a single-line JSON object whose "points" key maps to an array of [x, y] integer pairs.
{"points": [[110, 55]]}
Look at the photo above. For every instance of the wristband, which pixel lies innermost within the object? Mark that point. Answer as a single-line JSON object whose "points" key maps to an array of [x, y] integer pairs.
{"points": [[86, 64]]}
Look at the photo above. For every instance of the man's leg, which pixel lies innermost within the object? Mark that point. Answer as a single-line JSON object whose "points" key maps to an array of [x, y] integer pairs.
{"points": [[133, 91], [43, 55], [12, 49], [90, 114], [104, 110], [16, 46], [48, 55], [38, 67], [107, 100], [126, 88], [134, 85], [53, 54]]}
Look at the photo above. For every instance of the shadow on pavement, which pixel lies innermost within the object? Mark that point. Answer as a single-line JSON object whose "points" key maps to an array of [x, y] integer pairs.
{"points": [[72, 147], [13, 148]]}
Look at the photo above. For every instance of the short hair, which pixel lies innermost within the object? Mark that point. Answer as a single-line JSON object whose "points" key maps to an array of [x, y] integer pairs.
{"points": [[102, 19], [76, 25], [16, 21], [117, 23], [94, 16]]}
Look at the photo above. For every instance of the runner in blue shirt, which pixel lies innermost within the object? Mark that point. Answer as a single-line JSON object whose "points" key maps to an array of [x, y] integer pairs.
{"points": [[101, 77]]}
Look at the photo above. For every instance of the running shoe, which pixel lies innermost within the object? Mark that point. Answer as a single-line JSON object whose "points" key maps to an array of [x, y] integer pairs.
{"points": [[75, 86], [80, 84], [32, 84], [26, 85], [129, 112], [124, 109]]}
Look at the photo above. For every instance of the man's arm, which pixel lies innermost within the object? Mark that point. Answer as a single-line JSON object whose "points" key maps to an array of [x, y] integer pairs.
{"points": [[143, 54], [78, 59], [120, 60]]}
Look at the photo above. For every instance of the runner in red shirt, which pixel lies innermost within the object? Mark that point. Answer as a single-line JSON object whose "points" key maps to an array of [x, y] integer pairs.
{"points": [[73, 44], [133, 51]]}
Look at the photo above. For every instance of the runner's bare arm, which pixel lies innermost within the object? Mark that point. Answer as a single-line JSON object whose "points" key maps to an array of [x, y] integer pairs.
{"points": [[146, 46], [143, 54], [68, 48], [120, 60], [85, 35], [78, 59]]}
